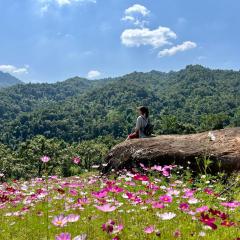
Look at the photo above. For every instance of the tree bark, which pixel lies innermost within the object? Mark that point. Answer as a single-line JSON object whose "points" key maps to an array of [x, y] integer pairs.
{"points": [[184, 150]]}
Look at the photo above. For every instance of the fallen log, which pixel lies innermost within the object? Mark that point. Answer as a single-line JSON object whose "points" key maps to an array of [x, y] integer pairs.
{"points": [[222, 147]]}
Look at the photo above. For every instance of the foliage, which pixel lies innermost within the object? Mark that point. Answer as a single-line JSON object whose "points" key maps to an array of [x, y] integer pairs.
{"points": [[190, 100]]}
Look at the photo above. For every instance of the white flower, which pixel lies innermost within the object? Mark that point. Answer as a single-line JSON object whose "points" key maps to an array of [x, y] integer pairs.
{"points": [[166, 216], [202, 234], [193, 201]]}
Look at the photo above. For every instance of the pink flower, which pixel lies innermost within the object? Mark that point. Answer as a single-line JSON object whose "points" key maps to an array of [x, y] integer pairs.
{"points": [[63, 236], [115, 189], [45, 159], [100, 194], [76, 160], [177, 233], [106, 208], [208, 191], [140, 177], [149, 229], [60, 221], [166, 199], [231, 204], [143, 167], [202, 209], [158, 205], [73, 218], [184, 207]]}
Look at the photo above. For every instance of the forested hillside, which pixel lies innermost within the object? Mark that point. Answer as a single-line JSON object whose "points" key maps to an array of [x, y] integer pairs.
{"points": [[189, 100], [7, 80]]}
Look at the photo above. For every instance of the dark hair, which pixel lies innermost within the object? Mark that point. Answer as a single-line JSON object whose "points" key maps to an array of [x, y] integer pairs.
{"points": [[144, 110]]}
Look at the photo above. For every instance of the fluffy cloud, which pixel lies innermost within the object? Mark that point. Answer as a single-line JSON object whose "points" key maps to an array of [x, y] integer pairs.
{"points": [[144, 36], [137, 8], [178, 48], [93, 74], [14, 70], [135, 14]]}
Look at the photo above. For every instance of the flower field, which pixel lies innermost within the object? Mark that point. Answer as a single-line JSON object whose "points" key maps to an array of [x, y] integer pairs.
{"points": [[148, 203]]}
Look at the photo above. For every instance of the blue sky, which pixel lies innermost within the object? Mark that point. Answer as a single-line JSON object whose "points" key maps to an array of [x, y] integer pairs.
{"points": [[52, 40]]}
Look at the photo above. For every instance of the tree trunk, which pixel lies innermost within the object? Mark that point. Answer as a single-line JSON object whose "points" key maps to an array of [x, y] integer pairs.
{"points": [[223, 151]]}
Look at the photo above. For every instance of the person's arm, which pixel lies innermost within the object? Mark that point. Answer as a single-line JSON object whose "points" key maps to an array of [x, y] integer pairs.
{"points": [[138, 125]]}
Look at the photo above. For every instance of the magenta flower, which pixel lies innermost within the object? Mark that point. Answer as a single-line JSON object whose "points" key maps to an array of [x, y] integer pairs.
{"points": [[205, 219], [63, 236], [208, 191], [106, 208], [45, 159], [184, 207], [60, 221], [76, 160], [149, 229], [140, 177], [166, 199], [111, 227], [227, 223]]}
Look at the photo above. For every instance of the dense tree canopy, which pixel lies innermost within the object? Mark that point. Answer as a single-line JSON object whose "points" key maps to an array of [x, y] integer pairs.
{"points": [[190, 100]]}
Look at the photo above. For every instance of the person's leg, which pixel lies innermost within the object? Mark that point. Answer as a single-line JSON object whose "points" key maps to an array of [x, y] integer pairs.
{"points": [[132, 136]]}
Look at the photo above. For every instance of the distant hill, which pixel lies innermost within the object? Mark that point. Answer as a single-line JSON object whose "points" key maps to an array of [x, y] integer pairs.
{"points": [[191, 100], [7, 80]]}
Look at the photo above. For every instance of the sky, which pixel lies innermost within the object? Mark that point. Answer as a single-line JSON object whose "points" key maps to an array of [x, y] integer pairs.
{"points": [[52, 40]]}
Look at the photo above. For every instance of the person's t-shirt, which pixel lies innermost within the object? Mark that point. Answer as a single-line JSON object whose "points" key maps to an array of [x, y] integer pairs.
{"points": [[140, 125]]}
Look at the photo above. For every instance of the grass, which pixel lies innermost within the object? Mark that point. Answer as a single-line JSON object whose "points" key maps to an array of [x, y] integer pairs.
{"points": [[27, 209]]}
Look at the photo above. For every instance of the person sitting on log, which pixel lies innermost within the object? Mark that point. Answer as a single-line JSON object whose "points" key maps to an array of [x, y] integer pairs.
{"points": [[143, 127]]}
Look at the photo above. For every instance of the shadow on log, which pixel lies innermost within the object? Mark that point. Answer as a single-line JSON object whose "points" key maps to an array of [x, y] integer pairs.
{"points": [[224, 151]]}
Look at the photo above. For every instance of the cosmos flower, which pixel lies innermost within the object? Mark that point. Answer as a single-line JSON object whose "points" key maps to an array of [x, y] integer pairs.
{"points": [[60, 221], [149, 229], [73, 218], [184, 207], [63, 236], [227, 223], [166, 199], [100, 194], [157, 205], [106, 208], [166, 216], [205, 219], [202, 209], [234, 204], [76, 160], [139, 177], [45, 159]]}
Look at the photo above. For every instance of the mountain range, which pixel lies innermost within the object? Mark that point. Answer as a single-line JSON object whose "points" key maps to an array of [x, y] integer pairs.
{"points": [[191, 100]]}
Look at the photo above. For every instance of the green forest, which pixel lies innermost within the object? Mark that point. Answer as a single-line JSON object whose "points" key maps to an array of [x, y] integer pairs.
{"points": [[61, 119]]}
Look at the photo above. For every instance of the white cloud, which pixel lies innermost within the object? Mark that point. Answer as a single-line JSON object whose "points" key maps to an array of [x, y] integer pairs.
{"points": [[178, 48], [135, 14], [93, 74], [46, 4], [144, 36], [14, 70], [137, 8]]}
